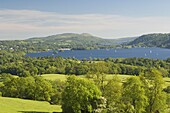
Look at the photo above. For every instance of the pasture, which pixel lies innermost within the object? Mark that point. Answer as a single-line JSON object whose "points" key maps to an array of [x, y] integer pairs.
{"points": [[52, 77], [15, 105], [63, 77]]}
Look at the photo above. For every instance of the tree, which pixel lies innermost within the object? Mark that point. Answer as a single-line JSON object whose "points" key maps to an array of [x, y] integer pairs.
{"points": [[112, 93], [134, 95], [58, 87], [43, 89], [80, 95], [154, 89], [9, 88], [98, 72]]}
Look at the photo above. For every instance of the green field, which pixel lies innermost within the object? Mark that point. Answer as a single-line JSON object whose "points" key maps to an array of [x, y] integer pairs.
{"points": [[15, 105], [122, 77], [54, 77], [63, 77]]}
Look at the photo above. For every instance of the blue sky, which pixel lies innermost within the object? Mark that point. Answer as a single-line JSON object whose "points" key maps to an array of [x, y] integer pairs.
{"points": [[21, 19]]}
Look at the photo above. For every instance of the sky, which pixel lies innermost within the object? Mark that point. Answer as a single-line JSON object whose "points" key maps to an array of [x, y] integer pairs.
{"points": [[22, 19]]}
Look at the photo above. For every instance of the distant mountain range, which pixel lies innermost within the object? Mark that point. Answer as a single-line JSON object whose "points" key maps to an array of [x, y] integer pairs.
{"points": [[152, 40]]}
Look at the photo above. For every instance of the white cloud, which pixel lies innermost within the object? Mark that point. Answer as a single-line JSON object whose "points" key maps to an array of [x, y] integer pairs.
{"points": [[21, 24]]}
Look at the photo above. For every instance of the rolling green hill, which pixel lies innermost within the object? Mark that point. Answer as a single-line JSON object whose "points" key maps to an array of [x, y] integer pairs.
{"points": [[66, 40], [74, 41], [54, 42], [152, 40]]}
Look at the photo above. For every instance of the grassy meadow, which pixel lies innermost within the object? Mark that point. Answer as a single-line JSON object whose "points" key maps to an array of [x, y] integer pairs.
{"points": [[15, 105], [52, 77], [63, 77]]}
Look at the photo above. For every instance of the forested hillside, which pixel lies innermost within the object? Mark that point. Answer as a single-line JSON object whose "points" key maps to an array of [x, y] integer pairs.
{"points": [[152, 40]]}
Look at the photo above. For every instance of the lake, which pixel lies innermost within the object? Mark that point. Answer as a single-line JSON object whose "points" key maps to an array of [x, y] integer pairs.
{"points": [[153, 53]]}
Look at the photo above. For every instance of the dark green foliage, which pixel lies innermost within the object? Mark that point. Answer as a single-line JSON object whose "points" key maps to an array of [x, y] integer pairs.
{"points": [[167, 89], [58, 87], [35, 88]]}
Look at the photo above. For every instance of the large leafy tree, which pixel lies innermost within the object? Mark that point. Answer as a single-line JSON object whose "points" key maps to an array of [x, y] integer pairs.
{"points": [[97, 73], [134, 96], [112, 93], [42, 90], [58, 88], [80, 95], [154, 89]]}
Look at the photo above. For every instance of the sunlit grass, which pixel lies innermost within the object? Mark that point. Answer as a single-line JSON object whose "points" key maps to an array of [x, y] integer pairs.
{"points": [[64, 77], [15, 105], [55, 76], [108, 77]]}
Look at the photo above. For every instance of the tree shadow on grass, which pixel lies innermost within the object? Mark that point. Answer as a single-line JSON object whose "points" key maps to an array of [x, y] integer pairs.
{"points": [[37, 112]]}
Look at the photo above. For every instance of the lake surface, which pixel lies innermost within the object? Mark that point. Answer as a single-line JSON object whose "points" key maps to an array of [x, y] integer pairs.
{"points": [[153, 53]]}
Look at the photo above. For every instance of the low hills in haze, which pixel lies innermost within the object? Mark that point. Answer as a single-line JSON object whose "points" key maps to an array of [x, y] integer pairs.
{"points": [[66, 40], [71, 40]]}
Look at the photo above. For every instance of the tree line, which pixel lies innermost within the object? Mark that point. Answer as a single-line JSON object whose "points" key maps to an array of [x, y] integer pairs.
{"points": [[17, 64], [33, 88]]}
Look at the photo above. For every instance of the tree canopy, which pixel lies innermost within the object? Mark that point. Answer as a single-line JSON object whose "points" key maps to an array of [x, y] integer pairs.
{"points": [[80, 95]]}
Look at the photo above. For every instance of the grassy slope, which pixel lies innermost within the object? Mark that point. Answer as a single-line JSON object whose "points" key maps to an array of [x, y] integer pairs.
{"points": [[15, 105]]}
